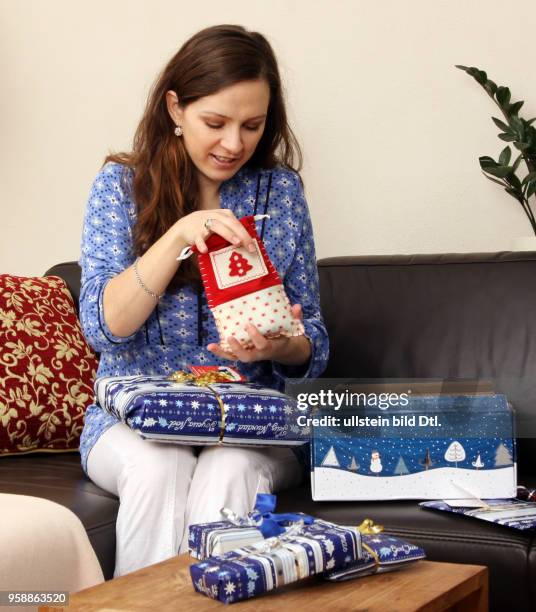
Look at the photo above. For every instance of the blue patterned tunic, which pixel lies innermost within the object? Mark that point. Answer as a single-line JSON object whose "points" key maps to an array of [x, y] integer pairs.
{"points": [[178, 330]]}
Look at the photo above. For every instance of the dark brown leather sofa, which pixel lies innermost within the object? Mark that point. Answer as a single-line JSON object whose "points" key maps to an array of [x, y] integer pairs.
{"points": [[423, 316]]}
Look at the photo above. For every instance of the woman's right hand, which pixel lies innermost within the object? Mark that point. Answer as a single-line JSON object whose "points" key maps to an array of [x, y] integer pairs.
{"points": [[192, 228]]}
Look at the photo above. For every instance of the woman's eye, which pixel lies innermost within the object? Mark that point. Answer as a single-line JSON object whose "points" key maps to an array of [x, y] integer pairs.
{"points": [[248, 127]]}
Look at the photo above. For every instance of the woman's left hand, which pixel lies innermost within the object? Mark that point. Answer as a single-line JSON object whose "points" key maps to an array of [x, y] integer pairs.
{"points": [[295, 350]]}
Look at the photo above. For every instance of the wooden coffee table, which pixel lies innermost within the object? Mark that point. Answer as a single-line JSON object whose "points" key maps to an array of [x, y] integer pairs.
{"points": [[425, 586]]}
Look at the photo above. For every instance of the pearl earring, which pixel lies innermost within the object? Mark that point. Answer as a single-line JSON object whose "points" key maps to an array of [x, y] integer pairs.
{"points": [[178, 131]]}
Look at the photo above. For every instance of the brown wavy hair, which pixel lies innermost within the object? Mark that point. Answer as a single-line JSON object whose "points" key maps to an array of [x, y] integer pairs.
{"points": [[164, 186]]}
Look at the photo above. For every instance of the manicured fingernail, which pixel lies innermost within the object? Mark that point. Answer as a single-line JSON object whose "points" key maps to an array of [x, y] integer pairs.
{"points": [[251, 247], [236, 240]]}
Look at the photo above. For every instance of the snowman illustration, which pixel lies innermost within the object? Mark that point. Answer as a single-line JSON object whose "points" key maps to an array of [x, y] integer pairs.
{"points": [[375, 462]]}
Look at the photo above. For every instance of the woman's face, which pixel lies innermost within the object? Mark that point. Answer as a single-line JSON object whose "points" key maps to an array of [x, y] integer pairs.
{"points": [[221, 131]]}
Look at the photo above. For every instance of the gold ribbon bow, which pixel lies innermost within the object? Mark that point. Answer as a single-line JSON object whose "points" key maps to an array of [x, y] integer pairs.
{"points": [[368, 527], [205, 380], [200, 380]]}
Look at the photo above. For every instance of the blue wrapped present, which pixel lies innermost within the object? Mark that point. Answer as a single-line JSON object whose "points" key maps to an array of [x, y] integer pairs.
{"points": [[514, 513], [216, 538], [381, 553], [163, 410], [302, 551]]}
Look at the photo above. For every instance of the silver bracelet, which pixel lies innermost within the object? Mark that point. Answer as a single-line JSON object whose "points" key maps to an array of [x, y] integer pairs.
{"points": [[143, 285]]}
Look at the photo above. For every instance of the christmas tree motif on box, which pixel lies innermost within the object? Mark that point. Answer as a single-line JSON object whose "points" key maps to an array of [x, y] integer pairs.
{"points": [[427, 461], [477, 463], [354, 466], [238, 265], [455, 453], [401, 467], [330, 460], [502, 456]]}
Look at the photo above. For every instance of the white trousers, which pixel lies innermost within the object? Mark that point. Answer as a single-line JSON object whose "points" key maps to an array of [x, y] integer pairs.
{"points": [[164, 488]]}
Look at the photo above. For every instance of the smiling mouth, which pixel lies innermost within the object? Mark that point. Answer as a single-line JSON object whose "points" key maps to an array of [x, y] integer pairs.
{"points": [[224, 159]]}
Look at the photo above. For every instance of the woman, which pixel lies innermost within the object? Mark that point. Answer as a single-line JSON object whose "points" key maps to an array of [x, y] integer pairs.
{"points": [[213, 146]]}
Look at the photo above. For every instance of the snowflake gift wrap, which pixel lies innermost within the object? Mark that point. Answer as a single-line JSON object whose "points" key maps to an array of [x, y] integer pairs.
{"points": [[243, 414], [381, 553], [243, 287], [514, 513], [274, 562]]}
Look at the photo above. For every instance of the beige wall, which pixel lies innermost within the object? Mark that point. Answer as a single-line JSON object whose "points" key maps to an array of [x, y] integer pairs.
{"points": [[390, 129]]}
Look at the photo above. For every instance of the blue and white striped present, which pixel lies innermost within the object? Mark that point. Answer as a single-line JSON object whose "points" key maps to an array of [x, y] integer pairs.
{"points": [[160, 409], [216, 538], [274, 562]]}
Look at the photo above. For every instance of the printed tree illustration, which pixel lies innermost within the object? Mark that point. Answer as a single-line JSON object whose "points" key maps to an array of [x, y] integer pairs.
{"points": [[427, 461], [401, 467], [455, 452], [477, 463], [330, 460], [354, 466], [502, 456], [238, 265]]}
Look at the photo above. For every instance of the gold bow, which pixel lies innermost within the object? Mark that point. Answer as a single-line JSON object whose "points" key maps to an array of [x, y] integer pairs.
{"points": [[200, 380], [368, 527], [205, 380]]}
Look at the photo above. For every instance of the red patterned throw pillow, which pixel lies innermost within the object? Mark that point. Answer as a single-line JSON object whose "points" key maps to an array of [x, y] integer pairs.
{"points": [[47, 368]]}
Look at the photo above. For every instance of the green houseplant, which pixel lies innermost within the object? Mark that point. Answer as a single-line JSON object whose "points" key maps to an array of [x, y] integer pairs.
{"points": [[521, 133]]}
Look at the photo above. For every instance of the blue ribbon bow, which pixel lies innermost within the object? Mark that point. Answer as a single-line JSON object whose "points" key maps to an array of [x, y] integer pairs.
{"points": [[273, 524]]}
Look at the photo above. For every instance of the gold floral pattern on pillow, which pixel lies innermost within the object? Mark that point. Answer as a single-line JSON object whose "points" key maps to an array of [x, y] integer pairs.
{"points": [[47, 369]]}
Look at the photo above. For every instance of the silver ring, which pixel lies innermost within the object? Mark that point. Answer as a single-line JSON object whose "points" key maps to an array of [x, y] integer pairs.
{"points": [[208, 223]]}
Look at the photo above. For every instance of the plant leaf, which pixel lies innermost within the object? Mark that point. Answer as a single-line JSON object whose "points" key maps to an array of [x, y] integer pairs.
{"points": [[500, 124], [490, 178], [514, 194], [531, 188], [503, 95], [530, 177], [507, 137], [481, 77], [486, 162], [504, 157], [515, 165], [517, 124], [491, 86], [513, 109], [514, 181], [499, 171]]}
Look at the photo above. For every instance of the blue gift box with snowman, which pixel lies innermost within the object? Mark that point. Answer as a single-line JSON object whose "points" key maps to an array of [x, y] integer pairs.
{"points": [[435, 446]]}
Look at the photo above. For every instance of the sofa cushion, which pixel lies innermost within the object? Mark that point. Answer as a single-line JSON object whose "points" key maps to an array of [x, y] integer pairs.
{"points": [[46, 366]]}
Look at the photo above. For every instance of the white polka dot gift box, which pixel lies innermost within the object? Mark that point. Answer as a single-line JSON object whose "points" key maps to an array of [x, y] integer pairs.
{"points": [[200, 412], [244, 287]]}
